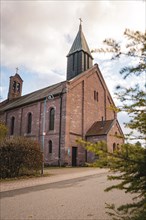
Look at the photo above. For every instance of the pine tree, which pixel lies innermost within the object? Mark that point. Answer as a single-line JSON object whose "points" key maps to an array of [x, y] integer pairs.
{"points": [[128, 164]]}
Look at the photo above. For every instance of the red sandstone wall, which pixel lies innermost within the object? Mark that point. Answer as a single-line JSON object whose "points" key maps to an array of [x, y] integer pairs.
{"points": [[37, 110], [82, 109]]}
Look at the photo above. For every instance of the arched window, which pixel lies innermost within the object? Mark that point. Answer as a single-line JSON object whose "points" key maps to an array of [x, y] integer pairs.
{"points": [[14, 86], [50, 147], [51, 119], [18, 87], [114, 147], [12, 125], [29, 122]]}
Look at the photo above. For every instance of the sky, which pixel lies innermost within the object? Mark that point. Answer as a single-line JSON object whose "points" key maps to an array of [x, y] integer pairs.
{"points": [[36, 36]]}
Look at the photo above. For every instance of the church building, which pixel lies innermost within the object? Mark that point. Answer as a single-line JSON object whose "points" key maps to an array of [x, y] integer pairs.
{"points": [[60, 114]]}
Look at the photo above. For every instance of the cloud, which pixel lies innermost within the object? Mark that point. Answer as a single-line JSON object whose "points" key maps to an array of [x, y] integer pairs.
{"points": [[37, 35], [33, 32]]}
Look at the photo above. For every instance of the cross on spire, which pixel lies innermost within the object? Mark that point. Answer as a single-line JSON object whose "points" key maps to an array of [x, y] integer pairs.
{"points": [[80, 20], [17, 70]]}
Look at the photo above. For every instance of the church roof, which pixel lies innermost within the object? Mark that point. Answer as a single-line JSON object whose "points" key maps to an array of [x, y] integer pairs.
{"points": [[100, 128], [79, 43], [33, 97]]}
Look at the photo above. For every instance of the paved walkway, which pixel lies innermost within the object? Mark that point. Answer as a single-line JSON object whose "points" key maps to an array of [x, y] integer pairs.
{"points": [[56, 175]]}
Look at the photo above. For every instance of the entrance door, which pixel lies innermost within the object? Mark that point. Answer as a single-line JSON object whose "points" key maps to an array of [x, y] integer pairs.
{"points": [[74, 156]]}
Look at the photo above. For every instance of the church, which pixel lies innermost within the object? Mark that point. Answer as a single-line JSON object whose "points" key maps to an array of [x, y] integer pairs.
{"points": [[60, 114]]}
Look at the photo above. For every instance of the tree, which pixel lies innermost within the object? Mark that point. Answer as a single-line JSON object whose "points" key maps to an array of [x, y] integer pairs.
{"points": [[128, 164]]}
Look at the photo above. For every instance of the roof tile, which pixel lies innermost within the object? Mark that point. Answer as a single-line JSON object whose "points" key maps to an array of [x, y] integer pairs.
{"points": [[100, 128]]}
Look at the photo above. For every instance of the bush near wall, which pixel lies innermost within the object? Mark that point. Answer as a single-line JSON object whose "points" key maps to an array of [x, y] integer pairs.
{"points": [[19, 156]]}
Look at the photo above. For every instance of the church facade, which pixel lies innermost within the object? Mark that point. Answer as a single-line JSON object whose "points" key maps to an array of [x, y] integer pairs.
{"points": [[60, 114]]}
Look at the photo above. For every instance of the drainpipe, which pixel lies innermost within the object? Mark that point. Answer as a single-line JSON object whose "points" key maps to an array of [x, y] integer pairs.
{"points": [[60, 125], [43, 135]]}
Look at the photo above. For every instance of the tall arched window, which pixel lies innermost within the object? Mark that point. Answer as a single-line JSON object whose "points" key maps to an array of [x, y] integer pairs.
{"points": [[51, 119], [29, 122], [50, 147], [12, 125]]}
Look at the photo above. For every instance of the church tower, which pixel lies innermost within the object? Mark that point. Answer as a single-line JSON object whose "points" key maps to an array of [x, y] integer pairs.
{"points": [[15, 86], [79, 58]]}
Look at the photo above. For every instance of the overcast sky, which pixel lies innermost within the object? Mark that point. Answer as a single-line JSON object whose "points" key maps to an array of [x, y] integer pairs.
{"points": [[37, 35]]}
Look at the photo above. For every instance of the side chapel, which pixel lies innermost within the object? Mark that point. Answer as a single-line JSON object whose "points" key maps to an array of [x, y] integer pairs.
{"points": [[58, 115]]}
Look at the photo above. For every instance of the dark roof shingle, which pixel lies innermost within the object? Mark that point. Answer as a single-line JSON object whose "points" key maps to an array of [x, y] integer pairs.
{"points": [[79, 43], [100, 128]]}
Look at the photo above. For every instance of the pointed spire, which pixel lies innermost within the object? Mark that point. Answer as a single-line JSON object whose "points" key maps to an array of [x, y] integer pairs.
{"points": [[80, 42], [79, 58]]}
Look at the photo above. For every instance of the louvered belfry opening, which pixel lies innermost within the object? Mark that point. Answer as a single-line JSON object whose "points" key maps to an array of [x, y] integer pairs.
{"points": [[79, 58]]}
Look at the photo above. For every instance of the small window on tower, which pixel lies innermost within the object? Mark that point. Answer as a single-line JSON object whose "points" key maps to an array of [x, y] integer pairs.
{"points": [[73, 62], [88, 62], [85, 61], [18, 87], [14, 86]]}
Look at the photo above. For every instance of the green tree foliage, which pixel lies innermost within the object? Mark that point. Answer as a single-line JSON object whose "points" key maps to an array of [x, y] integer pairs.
{"points": [[128, 164], [133, 99], [18, 156], [135, 47]]}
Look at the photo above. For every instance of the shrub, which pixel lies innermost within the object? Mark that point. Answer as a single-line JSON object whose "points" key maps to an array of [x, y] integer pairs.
{"points": [[19, 155]]}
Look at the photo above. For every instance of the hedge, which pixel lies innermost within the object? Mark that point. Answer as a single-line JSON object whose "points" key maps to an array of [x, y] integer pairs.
{"points": [[19, 155]]}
